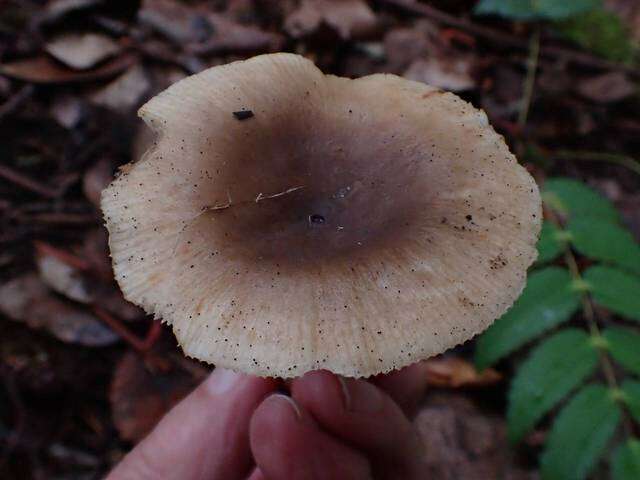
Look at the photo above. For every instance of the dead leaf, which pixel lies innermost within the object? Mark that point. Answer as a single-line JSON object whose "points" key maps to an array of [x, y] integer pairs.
{"points": [[62, 277], [164, 76], [448, 73], [82, 51], [629, 13], [5, 87], [110, 297], [607, 88], [630, 208], [27, 299], [175, 21], [349, 18], [125, 92], [44, 70], [455, 372], [57, 9], [204, 32], [68, 111], [403, 45], [140, 396], [101, 286], [96, 179], [74, 456], [461, 441], [230, 36], [142, 141], [555, 80]]}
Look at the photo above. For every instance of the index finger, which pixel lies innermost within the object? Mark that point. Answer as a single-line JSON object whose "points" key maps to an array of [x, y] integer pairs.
{"points": [[406, 386]]}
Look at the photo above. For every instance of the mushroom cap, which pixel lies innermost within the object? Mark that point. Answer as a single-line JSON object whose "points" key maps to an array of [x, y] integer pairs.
{"points": [[352, 225]]}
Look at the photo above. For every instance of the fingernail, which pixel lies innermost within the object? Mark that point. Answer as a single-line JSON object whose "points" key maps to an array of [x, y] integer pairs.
{"points": [[222, 381], [290, 402], [362, 397]]}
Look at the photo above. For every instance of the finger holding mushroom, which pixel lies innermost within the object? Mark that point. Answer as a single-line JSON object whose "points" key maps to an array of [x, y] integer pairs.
{"points": [[352, 225]]}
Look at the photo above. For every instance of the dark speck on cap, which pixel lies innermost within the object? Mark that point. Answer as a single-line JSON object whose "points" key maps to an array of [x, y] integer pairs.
{"points": [[243, 114]]}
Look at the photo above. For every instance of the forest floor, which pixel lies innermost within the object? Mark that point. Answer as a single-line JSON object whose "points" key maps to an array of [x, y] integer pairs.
{"points": [[83, 373]]}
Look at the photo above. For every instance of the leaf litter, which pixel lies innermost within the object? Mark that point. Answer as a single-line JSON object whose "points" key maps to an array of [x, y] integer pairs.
{"points": [[72, 74]]}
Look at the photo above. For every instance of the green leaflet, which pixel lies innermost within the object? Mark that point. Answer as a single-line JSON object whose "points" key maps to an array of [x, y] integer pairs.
{"points": [[547, 300], [580, 434], [618, 291], [624, 346], [554, 368], [534, 9], [550, 244], [626, 461], [602, 32], [573, 198], [601, 240], [631, 390]]}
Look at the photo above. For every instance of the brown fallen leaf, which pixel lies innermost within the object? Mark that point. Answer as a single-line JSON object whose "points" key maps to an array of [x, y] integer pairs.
{"points": [[95, 251], [202, 32], [141, 394], [142, 140], [448, 73], [81, 51], [110, 297], [461, 441], [68, 111], [58, 9], [630, 208], [42, 69], [62, 277], [402, 46], [125, 92], [349, 18], [103, 288], [607, 88], [5, 88], [176, 21], [27, 299], [73, 456], [629, 13], [455, 372], [96, 178], [98, 277], [230, 36]]}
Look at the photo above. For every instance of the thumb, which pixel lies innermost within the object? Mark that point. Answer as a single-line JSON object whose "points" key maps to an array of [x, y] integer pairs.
{"points": [[205, 436]]}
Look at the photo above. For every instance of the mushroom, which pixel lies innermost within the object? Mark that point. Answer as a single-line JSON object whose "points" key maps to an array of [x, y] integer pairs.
{"points": [[286, 220]]}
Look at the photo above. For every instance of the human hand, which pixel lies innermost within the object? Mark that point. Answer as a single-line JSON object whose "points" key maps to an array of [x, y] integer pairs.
{"points": [[235, 426]]}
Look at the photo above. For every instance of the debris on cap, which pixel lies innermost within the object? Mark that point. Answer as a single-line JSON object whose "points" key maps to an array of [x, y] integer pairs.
{"points": [[352, 225]]}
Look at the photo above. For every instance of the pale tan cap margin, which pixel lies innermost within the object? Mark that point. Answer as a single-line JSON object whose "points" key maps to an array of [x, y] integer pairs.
{"points": [[352, 225]]}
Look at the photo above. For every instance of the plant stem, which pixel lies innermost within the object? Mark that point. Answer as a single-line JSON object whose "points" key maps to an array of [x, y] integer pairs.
{"points": [[592, 323], [530, 78]]}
